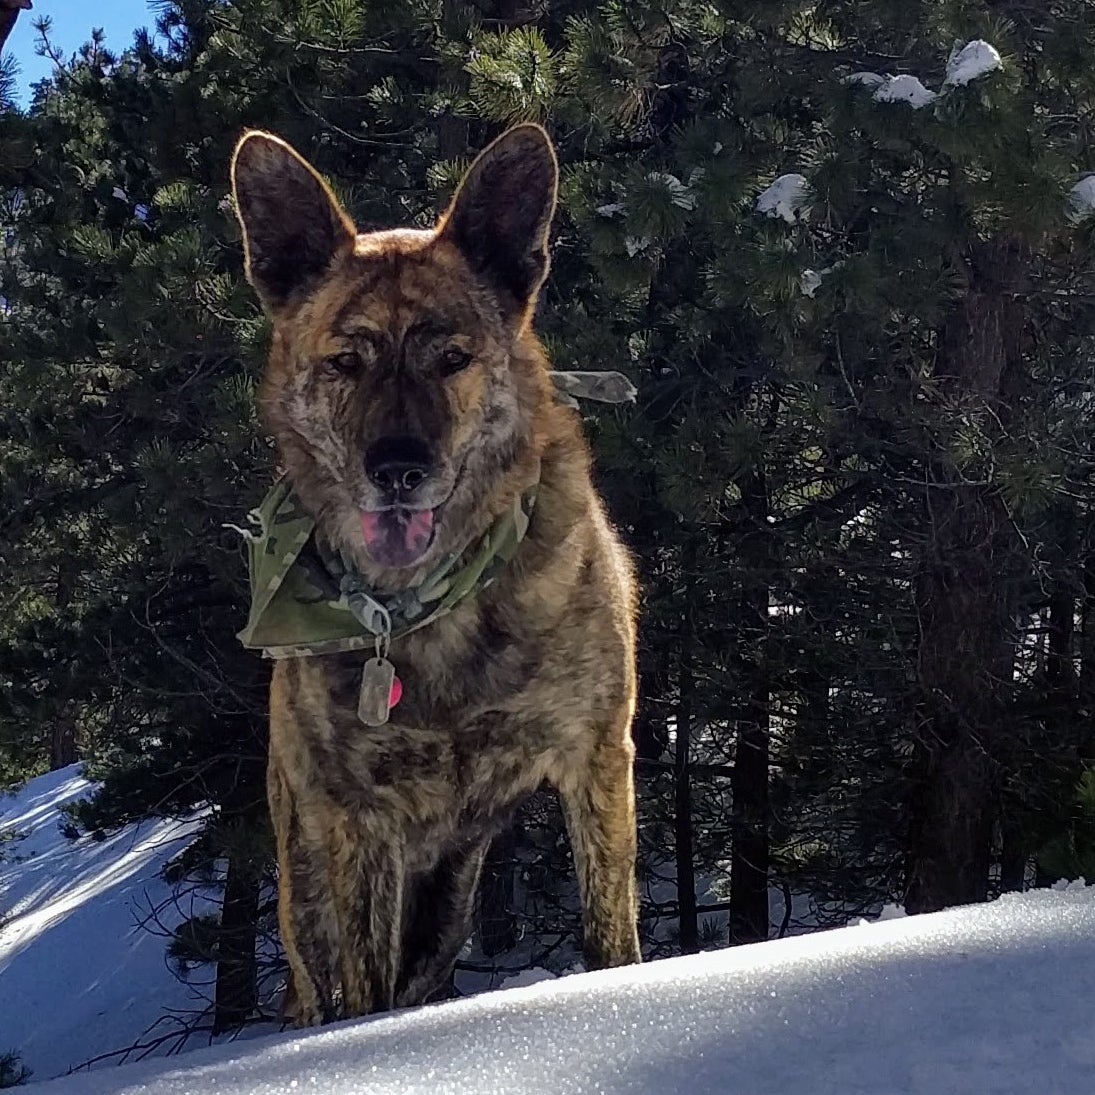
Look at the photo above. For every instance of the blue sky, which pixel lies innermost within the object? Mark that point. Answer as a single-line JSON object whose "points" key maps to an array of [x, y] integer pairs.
{"points": [[72, 23]]}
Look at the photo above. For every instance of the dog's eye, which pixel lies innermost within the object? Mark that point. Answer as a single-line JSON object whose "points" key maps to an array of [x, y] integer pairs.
{"points": [[347, 363], [453, 360]]}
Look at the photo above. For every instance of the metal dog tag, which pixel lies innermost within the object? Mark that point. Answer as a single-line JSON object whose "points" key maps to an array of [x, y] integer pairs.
{"points": [[375, 700]]}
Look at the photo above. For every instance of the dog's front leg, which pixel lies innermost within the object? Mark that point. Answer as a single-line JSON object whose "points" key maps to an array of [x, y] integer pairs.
{"points": [[439, 921], [599, 803], [306, 912], [367, 876]]}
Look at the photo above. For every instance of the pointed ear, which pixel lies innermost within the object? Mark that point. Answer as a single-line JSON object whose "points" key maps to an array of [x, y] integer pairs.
{"points": [[500, 216], [293, 226]]}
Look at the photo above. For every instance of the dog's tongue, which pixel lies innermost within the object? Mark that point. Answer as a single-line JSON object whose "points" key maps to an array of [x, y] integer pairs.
{"points": [[397, 537]]}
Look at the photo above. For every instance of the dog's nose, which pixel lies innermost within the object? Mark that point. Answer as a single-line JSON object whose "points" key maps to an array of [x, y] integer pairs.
{"points": [[399, 465]]}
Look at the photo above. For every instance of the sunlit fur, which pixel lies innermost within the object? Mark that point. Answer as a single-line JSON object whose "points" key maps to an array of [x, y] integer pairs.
{"points": [[381, 831], [400, 299]]}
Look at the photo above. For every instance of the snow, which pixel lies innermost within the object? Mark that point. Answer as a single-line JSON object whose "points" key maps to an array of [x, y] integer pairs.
{"points": [[80, 976], [967, 62], [970, 62], [869, 80], [1081, 199], [983, 998], [904, 89], [887, 912], [990, 998], [532, 976], [784, 198]]}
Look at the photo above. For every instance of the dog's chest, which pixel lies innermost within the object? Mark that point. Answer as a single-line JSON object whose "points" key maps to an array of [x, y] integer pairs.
{"points": [[448, 673], [467, 738]]}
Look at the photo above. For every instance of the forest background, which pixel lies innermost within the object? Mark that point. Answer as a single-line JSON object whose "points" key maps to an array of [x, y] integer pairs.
{"points": [[848, 266]]}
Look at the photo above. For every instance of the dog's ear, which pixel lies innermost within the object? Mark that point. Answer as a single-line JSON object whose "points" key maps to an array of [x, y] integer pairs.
{"points": [[293, 226], [501, 214]]}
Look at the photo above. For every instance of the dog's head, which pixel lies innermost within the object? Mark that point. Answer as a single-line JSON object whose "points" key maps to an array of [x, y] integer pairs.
{"points": [[402, 372]]}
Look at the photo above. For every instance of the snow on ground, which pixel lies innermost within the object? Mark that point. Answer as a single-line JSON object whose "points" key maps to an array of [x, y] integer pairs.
{"points": [[991, 998], [80, 977], [974, 60], [987, 998], [784, 198]]}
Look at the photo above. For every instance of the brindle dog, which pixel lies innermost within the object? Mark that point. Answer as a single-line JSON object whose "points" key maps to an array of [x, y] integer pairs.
{"points": [[411, 403]]}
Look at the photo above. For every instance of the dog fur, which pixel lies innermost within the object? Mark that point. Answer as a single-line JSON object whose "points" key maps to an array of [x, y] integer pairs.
{"points": [[381, 831]]}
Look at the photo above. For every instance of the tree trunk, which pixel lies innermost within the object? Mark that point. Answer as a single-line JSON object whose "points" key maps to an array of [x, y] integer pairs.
{"points": [[749, 783], [236, 994], [62, 741], [682, 780], [62, 737], [1013, 859], [497, 931], [965, 591], [648, 729], [1059, 667], [962, 606], [1085, 683]]}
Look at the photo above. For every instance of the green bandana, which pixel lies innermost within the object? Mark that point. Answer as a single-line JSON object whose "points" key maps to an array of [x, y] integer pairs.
{"points": [[307, 599]]}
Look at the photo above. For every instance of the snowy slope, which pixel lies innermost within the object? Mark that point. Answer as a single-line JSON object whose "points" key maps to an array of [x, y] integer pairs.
{"points": [[79, 976], [984, 999]]}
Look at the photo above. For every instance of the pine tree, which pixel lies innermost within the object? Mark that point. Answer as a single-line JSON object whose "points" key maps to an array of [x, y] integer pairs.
{"points": [[856, 480], [12, 1073]]}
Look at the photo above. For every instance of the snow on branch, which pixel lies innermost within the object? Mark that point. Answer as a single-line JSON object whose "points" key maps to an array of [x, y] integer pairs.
{"points": [[870, 80], [970, 62], [809, 283], [904, 89], [785, 198], [966, 62], [1081, 199]]}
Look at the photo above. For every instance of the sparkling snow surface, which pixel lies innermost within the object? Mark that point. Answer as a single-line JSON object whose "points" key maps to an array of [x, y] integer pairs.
{"points": [[984, 999], [974, 60], [904, 89], [784, 198]]}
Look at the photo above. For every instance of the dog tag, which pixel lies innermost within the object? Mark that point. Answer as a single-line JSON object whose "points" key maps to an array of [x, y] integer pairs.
{"points": [[379, 692]]}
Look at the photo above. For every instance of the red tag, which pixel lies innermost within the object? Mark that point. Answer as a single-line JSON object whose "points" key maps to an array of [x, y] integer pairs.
{"points": [[396, 693]]}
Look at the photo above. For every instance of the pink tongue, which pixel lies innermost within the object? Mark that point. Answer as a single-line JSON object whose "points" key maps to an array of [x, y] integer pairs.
{"points": [[419, 526], [397, 537]]}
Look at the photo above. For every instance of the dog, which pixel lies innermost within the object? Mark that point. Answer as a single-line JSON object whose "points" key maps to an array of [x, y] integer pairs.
{"points": [[478, 611]]}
